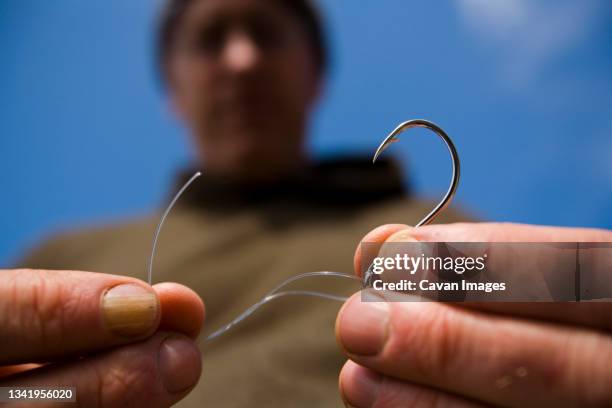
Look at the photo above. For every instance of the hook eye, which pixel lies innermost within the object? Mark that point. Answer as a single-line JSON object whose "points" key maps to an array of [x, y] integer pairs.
{"points": [[392, 138]]}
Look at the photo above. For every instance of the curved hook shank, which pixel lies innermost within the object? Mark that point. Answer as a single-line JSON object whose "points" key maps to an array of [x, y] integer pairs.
{"points": [[392, 137]]}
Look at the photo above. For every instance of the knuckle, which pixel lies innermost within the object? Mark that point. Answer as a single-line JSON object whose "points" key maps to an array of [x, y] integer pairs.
{"points": [[433, 344], [444, 343], [36, 307], [593, 389], [41, 310], [124, 381]]}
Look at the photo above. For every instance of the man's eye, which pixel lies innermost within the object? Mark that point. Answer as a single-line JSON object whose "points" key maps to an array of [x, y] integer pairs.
{"points": [[267, 34], [211, 40], [266, 37]]}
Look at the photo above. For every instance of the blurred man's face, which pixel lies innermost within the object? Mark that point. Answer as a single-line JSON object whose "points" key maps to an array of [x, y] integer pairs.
{"points": [[243, 77]]}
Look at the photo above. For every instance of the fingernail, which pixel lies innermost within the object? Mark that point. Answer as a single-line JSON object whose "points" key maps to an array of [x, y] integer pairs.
{"points": [[363, 326], [130, 310], [179, 363]]}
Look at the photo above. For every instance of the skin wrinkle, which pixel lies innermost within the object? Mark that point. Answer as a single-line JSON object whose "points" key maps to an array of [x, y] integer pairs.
{"points": [[594, 389], [66, 311], [98, 385], [503, 377], [498, 351], [432, 399], [453, 348], [387, 396], [572, 359], [549, 375], [7, 314], [601, 392], [413, 332], [546, 375], [130, 377], [40, 312], [48, 309], [16, 316], [445, 356], [32, 321]]}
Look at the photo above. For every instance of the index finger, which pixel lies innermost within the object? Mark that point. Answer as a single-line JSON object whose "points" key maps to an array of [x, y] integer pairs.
{"points": [[476, 232], [591, 314]]}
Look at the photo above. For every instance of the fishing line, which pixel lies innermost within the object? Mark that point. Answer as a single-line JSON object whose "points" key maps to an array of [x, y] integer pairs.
{"points": [[163, 218], [275, 293]]}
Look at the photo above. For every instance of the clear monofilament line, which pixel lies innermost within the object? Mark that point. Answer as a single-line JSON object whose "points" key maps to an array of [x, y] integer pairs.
{"points": [[275, 294], [161, 222]]}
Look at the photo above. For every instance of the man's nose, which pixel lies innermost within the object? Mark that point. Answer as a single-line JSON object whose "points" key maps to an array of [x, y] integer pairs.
{"points": [[240, 54]]}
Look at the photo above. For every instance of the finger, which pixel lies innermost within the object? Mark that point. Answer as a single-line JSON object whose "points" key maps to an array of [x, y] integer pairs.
{"points": [[45, 315], [478, 232], [376, 236], [491, 359], [597, 315], [13, 369], [591, 314], [155, 373], [506, 232], [361, 387], [182, 309]]}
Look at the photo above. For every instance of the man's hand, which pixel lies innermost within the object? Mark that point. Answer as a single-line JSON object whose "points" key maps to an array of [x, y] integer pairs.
{"points": [[422, 354], [117, 340]]}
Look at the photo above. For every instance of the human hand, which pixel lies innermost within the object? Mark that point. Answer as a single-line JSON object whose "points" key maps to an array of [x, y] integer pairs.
{"points": [[422, 354], [119, 341]]}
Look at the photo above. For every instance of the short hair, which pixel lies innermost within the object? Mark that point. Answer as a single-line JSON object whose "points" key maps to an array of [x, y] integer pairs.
{"points": [[303, 10]]}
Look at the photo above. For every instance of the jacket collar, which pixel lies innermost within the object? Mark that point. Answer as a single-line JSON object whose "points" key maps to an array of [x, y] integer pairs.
{"points": [[342, 182]]}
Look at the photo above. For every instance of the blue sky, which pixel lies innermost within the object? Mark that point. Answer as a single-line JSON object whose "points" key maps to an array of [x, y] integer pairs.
{"points": [[523, 87]]}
